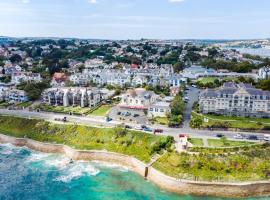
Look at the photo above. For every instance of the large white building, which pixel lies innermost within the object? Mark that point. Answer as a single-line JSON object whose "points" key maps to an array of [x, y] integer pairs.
{"points": [[73, 96], [236, 100], [138, 99], [264, 73], [19, 77]]}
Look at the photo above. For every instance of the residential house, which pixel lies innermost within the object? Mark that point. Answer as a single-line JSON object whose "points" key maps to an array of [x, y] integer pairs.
{"points": [[138, 99], [159, 109], [15, 95], [264, 72], [59, 79], [19, 77]]}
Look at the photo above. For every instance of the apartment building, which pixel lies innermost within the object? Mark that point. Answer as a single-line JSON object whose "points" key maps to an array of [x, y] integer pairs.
{"points": [[236, 100], [74, 96]]}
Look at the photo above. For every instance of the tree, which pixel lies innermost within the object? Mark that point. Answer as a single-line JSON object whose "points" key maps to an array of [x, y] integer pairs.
{"points": [[196, 122], [33, 90], [15, 58], [177, 106], [264, 84], [179, 66]]}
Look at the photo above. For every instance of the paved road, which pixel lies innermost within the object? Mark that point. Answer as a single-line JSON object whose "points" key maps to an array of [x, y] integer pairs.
{"points": [[101, 122], [193, 95]]}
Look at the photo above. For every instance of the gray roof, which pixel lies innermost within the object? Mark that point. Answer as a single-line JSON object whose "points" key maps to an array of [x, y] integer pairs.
{"points": [[231, 88]]}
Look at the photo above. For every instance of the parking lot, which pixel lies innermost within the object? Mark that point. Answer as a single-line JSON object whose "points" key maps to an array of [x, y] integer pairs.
{"points": [[128, 115]]}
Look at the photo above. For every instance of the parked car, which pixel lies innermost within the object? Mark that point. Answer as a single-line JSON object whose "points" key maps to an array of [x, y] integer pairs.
{"points": [[238, 136], [252, 137], [118, 113], [126, 114], [64, 119], [147, 129], [266, 137], [143, 126], [108, 119], [158, 131], [182, 135], [138, 128], [136, 115], [128, 127], [220, 135]]}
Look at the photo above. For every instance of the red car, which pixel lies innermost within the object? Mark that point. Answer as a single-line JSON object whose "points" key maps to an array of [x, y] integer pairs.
{"points": [[183, 135], [158, 131]]}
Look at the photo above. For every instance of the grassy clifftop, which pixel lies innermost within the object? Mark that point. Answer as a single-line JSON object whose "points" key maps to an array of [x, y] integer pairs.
{"points": [[138, 144], [249, 165], [246, 164]]}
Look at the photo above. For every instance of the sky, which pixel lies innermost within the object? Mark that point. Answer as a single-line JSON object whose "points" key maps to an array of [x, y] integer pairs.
{"points": [[136, 19]]}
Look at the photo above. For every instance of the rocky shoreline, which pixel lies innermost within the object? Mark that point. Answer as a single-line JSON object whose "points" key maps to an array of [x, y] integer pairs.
{"points": [[235, 190]]}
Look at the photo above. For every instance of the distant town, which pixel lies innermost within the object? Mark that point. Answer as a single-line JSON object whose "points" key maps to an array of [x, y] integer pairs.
{"points": [[163, 102], [149, 77]]}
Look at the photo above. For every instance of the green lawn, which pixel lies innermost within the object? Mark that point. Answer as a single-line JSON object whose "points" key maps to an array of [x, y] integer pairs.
{"points": [[196, 141], [206, 80], [134, 143], [228, 143], [102, 110], [5, 104], [233, 122], [61, 109], [161, 120], [251, 165], [24, 104]]}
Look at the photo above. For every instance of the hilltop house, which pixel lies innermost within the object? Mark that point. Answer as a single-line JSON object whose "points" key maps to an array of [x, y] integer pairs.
{"points": [[264, 72], [59, 79], [19, 77]]}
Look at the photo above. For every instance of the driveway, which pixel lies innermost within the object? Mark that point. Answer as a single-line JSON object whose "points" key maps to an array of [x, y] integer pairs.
{"points": [[193, 95]]}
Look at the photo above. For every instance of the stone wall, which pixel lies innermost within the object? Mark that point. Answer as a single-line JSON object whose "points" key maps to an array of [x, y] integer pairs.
{"points": [[245, 189]]}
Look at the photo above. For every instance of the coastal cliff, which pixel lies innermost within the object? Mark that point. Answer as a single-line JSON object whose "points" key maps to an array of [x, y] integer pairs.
{"points": [[245, 189]]}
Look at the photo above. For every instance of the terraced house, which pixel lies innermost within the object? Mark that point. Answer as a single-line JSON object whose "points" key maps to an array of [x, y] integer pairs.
{"points": [[236, 100], [83, 97]]}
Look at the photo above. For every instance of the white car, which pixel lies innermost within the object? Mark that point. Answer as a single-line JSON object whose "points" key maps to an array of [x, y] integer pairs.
{"points": [[266, 137], [238, 136], [138, 128]]}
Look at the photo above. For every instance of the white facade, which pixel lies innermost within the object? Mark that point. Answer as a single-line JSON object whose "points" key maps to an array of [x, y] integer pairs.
{"points": [[264, 73], [83, 97], [19, 77], [138, 99], [237, 100], [159, 109]]}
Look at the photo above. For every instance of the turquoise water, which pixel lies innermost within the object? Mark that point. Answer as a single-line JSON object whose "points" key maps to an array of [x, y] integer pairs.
{"points": [[29, 175]]}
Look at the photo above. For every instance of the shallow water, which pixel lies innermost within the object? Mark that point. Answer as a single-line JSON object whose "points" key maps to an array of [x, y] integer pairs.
{"points": [[29, 175]]}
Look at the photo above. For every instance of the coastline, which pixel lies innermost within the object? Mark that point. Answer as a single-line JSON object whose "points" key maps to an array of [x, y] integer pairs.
{"points": [[235, 190]]}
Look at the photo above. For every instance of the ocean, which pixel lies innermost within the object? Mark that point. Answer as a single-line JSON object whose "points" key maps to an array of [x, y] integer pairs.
{"points": [[30, 175]]}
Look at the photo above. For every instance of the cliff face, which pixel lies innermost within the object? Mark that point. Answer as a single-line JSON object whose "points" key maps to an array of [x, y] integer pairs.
{"points": [[245, 189]]}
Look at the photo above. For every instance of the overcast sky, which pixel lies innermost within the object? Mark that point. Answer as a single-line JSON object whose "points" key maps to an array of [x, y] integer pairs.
{"points": [[136, 19]]}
